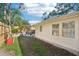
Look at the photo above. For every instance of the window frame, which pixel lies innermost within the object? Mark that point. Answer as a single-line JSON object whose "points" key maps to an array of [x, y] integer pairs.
{"points": [[55, 29], [68, 29], [40, 28]]}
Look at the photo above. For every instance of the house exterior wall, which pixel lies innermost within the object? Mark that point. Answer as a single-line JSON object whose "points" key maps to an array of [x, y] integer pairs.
{"points": [[63, 42]]}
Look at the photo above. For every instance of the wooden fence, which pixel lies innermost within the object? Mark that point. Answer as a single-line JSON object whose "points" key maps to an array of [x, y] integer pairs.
{"points": [[4, 30]]}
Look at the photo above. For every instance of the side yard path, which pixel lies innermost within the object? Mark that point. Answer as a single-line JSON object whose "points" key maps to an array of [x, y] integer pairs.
{"points": [[31, 46]]}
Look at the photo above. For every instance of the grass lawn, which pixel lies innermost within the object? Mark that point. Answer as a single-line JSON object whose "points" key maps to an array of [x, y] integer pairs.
{"points": [[31, 46], [39, 48], [15, 47]]}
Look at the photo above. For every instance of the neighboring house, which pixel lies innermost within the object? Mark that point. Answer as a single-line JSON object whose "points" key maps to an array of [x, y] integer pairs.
{"points": [[4, 29], [60, 31]]}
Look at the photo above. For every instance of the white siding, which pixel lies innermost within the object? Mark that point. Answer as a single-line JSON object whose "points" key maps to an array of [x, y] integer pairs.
{"points": [[67, 43]]}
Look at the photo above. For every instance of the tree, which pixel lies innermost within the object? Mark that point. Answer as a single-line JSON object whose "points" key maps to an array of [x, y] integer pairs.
{"points": [[14, 13], [1, 12], [22, 24], [63, 9], [12, 16], [44, 16], [75, 6], [52, 14]]}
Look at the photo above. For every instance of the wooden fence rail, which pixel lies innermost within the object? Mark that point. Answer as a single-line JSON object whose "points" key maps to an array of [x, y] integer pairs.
{"points": [[4, 30]]}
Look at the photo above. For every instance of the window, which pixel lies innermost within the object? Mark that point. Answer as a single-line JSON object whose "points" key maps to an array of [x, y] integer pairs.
{"points": [[40, 28], [68, 29], [55, 29]]}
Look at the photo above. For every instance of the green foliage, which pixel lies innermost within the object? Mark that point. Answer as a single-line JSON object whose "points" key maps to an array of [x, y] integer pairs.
{"points": [[15, 47], [22, 24], [15, 12], [1, 11], [44, 16], [14, 31], [16, 19], [39, 48], [62, 9]]}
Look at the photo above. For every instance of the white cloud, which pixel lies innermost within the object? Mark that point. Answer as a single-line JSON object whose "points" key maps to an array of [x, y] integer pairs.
{"points": [[34, 22], [31, 4], [37, 9], [52, 4]]}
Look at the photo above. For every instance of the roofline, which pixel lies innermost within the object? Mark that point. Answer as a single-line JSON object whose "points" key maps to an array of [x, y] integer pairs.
{"points": [[58, 17]]}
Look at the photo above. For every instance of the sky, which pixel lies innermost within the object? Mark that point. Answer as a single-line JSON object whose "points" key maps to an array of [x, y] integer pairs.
{"points": [[33, 12]]}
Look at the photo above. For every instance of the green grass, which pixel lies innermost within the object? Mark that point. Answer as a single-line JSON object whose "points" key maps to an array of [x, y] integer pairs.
{"points": [[39, 48], [35, 47], [15, 47]]}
